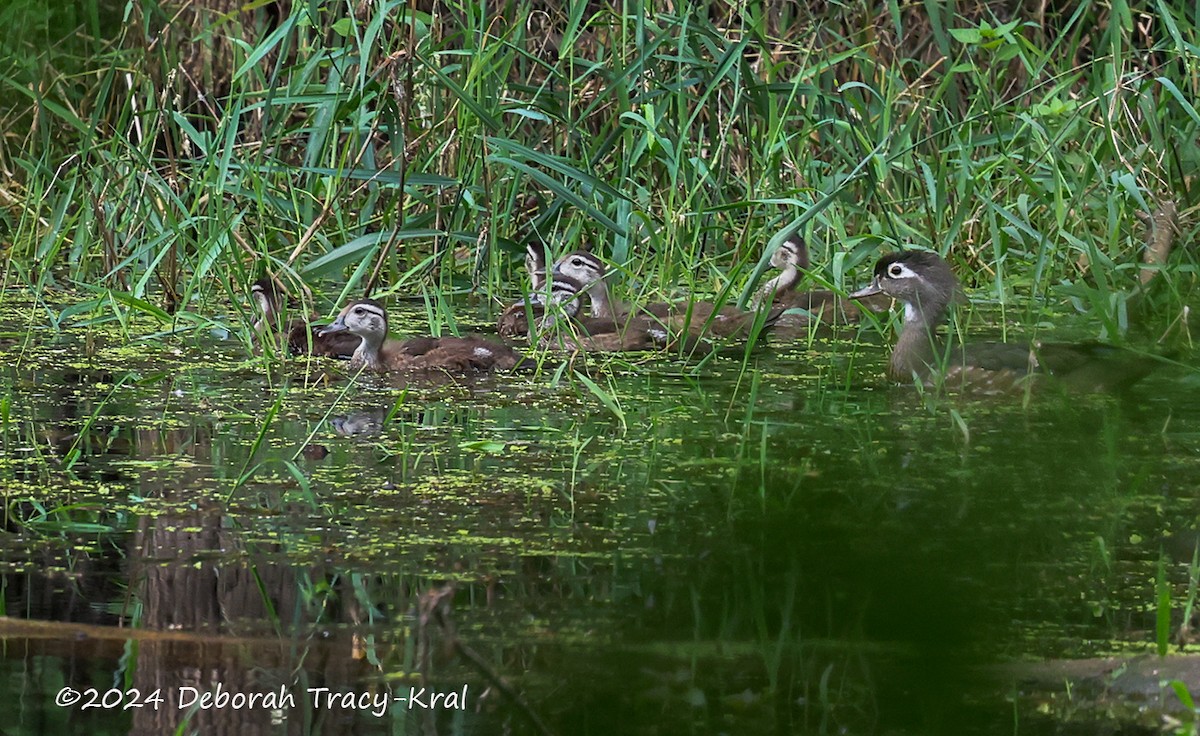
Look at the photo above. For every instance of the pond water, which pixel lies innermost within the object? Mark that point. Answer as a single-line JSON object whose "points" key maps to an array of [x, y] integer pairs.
{"points": [[793, 546]]}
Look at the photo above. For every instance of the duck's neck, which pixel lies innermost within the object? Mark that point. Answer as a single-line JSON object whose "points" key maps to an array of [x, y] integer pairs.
{"points": [[270, 327], [538, 281], [261, 328], [601, 300], [367, 355], [268, 317], [917, 348], [785, 281]]}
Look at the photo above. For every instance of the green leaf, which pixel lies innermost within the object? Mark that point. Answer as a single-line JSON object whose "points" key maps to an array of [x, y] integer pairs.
{"points": [[562, 191], [267, 45], [487, 447], [338, 258], [968, 36], [606, 398], [1185, 696], [1183, 102], [140, 305]]}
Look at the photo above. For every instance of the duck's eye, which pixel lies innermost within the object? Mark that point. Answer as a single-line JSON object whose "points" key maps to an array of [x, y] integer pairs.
{"points": [[895, 270], [359, 311], [577, 262]]}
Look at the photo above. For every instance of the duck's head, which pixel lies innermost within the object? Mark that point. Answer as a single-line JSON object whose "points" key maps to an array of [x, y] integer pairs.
{"points": [[267, 295], [920, 279], [366, 318], [564, 293], [583, 267], [791, 253]]}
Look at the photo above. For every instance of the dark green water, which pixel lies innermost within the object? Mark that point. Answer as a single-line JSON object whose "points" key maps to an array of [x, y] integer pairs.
{"points": [[799, 548]]}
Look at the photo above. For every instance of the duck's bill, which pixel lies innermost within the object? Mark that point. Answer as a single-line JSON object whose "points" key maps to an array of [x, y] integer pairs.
{"points": [[339, 325], [870, 289]]}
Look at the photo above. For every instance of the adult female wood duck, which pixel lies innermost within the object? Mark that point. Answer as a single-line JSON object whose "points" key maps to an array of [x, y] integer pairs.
{"points": [[696, 318], [514, 321], [296, 334], [802, 309], [926, 285], [367, 319]]}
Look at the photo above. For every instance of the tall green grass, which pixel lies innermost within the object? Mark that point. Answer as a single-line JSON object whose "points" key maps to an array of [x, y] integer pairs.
{"points": [[398, 149]]}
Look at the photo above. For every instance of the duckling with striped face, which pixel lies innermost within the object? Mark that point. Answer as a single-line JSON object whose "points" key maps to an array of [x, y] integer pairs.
{"points": [[514, 322], [927, 287], [802, 309], [367, 319], [695, 319], [589, 274], [562, 329]]}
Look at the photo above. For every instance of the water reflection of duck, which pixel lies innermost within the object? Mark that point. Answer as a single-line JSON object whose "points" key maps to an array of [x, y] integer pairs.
{"points": [[296, 335], [802, 309], [367, 319], [926, 285], [358, 423], [694, 318]]}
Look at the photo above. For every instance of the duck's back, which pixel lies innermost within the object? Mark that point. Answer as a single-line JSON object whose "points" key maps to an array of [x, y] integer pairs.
{"points": [[703, 319], [303, 339], [1094, 366], [802, 308], [455, 354], [1080, 367]]}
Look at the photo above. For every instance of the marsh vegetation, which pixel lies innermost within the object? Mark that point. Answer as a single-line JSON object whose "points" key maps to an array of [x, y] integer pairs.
{"points": [[768, 539]]}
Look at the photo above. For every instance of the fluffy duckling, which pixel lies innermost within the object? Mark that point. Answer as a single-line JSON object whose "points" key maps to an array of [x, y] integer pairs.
{"points": [[514, 322], [696, 319], [926, 285], [802, 309], [296, 335], [562, 329], [367, 320]]}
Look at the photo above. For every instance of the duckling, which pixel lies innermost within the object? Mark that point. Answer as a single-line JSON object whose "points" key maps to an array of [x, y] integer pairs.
{"points": [[926, 285], [367, 319], [697, 319], [804, 308], [562, 329], [296, 335], [514, 321]]}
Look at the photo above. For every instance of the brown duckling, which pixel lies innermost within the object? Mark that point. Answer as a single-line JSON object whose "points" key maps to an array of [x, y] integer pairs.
{"points": [[695, 318], [563, 329], [367, 319], [514, 321], [296, 335], [802, 309], [926, 285]]}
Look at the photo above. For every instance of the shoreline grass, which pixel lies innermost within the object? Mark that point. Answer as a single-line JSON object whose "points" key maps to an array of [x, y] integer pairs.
{"points": [[403, 151]]}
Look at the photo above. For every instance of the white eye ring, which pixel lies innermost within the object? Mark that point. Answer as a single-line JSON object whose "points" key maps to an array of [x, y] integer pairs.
{"points": [[895, 270]]}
